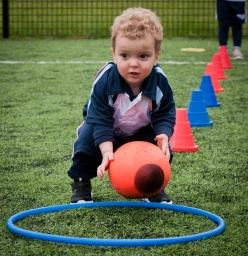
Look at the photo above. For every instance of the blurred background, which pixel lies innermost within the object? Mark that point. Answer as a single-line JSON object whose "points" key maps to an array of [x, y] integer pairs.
{"points": [[92, 18]]}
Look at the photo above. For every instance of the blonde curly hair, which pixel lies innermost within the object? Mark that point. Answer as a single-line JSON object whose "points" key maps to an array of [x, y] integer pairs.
{"points": [[137, 23]]}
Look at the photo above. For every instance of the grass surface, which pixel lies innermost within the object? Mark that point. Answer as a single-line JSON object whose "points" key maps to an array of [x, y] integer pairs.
{"points": [[41, 107]]}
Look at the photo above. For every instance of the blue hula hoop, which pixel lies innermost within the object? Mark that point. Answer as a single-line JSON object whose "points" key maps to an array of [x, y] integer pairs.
{"points": [[116, 242]]}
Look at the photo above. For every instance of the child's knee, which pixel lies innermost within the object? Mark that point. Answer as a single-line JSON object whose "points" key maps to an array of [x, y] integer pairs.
{"points": [[84, 166]]}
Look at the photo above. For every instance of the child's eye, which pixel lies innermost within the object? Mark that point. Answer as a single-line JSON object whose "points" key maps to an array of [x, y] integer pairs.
{"points": [[144, 56], [124, 55]]}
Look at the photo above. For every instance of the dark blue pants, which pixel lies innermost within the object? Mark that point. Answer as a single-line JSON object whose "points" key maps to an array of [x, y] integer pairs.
{"points": [[87, 157], [230, 15]]}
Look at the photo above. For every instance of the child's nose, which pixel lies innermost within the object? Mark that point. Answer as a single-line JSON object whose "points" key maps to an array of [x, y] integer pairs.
{"points": [[134, 62]]}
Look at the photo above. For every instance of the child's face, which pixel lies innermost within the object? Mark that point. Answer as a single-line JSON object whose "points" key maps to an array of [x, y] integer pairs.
{"points": [[135, 58]]}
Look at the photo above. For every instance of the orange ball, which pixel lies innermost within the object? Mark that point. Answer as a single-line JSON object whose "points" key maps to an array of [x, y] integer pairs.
{"points": [[139, 170]]}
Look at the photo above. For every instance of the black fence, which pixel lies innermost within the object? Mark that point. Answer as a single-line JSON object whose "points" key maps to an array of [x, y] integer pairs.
{"points": [[93, 19]]}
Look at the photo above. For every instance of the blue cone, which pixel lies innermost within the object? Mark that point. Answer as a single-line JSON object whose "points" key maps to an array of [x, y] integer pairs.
{"points": [[197, 110], [207, 89]]}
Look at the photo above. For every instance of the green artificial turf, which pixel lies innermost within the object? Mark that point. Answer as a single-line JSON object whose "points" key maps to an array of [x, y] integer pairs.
{"points": [[40, 109]]}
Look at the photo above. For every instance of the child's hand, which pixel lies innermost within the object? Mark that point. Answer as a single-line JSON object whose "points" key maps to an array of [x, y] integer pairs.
{"points": [[162, 141], [107, 157]]}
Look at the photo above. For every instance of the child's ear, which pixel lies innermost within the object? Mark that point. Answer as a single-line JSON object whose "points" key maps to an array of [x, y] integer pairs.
{"points": [[158, 53], [113, 53]]}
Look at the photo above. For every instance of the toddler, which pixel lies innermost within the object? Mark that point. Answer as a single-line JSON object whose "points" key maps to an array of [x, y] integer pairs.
{"points": [[130, 100]]}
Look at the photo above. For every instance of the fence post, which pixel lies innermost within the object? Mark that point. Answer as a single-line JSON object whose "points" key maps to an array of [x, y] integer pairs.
{"points": [[5, 13]]}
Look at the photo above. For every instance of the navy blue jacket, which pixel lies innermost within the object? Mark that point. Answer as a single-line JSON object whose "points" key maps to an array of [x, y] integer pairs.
{"points": [[99, 109]]}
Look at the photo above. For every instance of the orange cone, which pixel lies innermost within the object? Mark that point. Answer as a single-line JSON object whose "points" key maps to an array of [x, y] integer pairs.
{"points": [[225, 60], [182, 139], [216, 60], [210, 70]]}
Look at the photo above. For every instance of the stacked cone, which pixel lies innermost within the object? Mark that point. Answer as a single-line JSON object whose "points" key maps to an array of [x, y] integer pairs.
{"points": [[225, 60], [211, 70], [197, 110], [216, 60], [182, 139], [207, 89], [196, 115]]}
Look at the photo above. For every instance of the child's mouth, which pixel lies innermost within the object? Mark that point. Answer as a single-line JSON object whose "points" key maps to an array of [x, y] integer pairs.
{"points": [[134, 73]]}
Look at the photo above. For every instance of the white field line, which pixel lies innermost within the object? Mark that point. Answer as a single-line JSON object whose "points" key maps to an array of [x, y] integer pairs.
{"points": [[80, 62], [83, 62]]}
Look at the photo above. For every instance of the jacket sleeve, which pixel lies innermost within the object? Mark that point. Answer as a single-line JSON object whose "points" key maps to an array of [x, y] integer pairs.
{"points": [[99, 110], [163, 118]]}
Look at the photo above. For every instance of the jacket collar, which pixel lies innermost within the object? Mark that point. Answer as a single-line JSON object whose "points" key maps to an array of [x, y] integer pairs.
{"points": [[117, 83]]}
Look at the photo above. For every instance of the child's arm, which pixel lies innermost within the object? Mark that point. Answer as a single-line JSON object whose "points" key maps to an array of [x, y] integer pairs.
{"points": [[162, 141], [107, 156]]}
